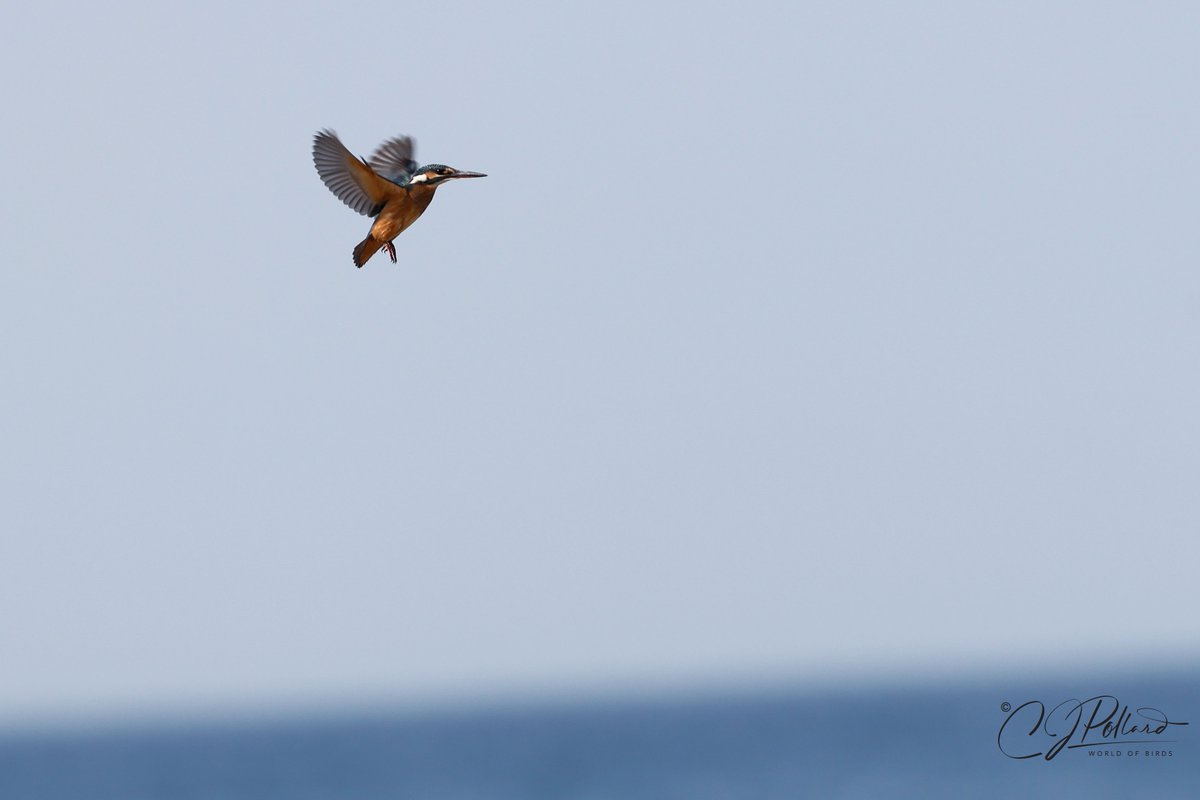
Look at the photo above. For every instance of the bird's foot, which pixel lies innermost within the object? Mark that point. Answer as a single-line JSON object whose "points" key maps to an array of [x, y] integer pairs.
{"points": [[391, 250]]}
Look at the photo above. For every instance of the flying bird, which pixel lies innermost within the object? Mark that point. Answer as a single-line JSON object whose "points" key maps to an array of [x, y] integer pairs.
{"points": [[389, 186]]}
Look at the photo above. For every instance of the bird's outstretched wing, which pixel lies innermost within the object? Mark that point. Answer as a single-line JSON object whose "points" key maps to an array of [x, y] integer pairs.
{"points": [[348, 177], [394, 159]]}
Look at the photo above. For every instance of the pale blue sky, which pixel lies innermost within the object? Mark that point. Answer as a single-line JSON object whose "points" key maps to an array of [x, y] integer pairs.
{"points": [[781, 341]]}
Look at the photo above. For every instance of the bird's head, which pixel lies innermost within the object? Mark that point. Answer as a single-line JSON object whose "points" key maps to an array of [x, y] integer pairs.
{"points": [[436, 174]]}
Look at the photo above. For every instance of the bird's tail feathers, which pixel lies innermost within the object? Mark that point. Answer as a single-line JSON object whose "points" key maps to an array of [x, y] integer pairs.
{"points": [[365, 249]]}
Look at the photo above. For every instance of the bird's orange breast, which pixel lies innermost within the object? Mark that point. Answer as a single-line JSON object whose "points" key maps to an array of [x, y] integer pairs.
{"points": [[401, 211]]}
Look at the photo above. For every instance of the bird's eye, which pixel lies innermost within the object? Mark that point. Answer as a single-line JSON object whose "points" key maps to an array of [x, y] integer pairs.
{"points": [[444, 171]]}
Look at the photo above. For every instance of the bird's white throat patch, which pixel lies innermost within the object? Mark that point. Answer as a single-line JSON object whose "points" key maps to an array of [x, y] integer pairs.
{"points": [[421, 178]]}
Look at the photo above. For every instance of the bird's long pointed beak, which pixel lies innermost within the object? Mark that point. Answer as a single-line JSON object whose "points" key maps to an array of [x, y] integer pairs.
{"points": [[464, 174]]}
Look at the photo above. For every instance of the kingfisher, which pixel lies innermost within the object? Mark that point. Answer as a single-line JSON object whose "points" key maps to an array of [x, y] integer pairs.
{"points": [[389, 186]]}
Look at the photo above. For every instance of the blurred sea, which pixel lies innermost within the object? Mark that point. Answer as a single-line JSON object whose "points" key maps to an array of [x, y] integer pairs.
{"points": [[925, 742]]}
